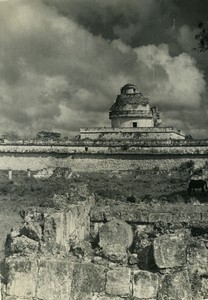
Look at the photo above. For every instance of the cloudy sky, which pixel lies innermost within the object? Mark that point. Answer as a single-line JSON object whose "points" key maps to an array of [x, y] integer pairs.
{"points": [[62, 62]]}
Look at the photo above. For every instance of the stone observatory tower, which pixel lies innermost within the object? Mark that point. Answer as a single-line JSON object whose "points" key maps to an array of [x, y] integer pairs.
{"points": [[131, 109], [132, 118]]}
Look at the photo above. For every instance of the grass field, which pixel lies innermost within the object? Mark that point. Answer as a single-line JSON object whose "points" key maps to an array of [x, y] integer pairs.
{"points": [[145, 187]]}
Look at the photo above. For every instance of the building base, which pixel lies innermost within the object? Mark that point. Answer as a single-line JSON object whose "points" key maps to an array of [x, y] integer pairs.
{"points": [[144, 133]]}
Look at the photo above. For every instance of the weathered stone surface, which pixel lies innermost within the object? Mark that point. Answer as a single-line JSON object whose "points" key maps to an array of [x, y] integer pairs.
{"points": [[6, 297], [175, 286], [22, 245], [204, 217], [56, 228], [160, 217], [108, 298], [118, 282], [112, 214], [204, 288], [124, 212], [170, 250], [197, 257], [133, 259], [94, 229], [145, 285], [82, 249], [14, 233], [97, 214], [34, 214], [143, 246], [115, 237], [32, 230], [186, 217], [68, 219], [21, 277], [44, 173], [88, 279], [140, 230], [130, 213], [54, 279]]}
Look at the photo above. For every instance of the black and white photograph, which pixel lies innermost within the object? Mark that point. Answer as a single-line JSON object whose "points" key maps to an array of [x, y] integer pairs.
{"points": [[104, 149]]}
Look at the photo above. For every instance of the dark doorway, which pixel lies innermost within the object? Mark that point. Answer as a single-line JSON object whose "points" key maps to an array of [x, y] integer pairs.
{"points": [[134, 124]]}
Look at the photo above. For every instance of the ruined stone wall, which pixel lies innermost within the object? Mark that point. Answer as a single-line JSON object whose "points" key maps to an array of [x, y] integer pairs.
{"points": [[169, 248], [145, 130], [104, 156], [95, 162], [138, 135], [125, 253]]}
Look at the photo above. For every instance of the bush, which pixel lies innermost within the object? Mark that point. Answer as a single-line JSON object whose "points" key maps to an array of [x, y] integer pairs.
{"points": [[189, 165]]}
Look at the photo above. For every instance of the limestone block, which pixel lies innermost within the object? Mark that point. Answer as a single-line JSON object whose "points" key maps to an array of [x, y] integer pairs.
{"points": [[115, 237], [96, 296], [54, 279], [22, 245], [204, 287], [197, 257], [160, 217], [54, 228], [88, 279], [170, 250], [6, 297], [118, 282], [132, 214], [143, 246], [108, 298], [175, 286], [186, 217], [22, 277], [62, 227], [145, 285], [112, 213]]}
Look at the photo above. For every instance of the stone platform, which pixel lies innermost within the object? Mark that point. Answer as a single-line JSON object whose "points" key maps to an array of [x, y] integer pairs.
{"points": [[126, 133]]}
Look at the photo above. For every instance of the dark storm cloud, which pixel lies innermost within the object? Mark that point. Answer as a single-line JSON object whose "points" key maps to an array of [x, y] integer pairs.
{"points": [[63, 62], [134, 22]]}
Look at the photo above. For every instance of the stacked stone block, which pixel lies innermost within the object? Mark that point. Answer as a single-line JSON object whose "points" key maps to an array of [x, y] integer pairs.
{"points": [[122, 254]]}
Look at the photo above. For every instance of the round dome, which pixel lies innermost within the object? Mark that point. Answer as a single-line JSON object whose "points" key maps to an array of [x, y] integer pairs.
{"points": [[129, 89], [129, 99], [131, 109]]}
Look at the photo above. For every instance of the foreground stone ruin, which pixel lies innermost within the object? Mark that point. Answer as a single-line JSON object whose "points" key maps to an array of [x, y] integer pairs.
{"points": [[75, 250]]}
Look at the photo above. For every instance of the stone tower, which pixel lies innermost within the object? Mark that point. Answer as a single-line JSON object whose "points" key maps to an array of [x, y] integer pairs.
{"points": [[131, 109], [132, 118]]}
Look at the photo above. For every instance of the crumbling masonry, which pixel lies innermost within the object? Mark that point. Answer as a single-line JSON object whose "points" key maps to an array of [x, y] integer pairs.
{"points": [[75, 250]]}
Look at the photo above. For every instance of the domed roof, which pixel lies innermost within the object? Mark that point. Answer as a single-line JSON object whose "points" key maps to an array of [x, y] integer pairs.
{"points": [[129, 88], [130, 99]]}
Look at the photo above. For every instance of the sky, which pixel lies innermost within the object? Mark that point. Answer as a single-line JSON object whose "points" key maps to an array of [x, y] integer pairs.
{"points": [[63, 62]]}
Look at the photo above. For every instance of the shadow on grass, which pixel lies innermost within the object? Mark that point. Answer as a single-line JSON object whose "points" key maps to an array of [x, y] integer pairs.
{"points": [[183, 196]]}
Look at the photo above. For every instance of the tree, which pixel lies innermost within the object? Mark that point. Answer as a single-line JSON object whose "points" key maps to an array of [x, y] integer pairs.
{"points": [[202, 37], [11, 135]]}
